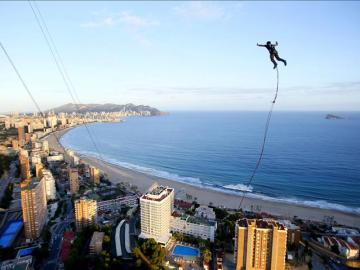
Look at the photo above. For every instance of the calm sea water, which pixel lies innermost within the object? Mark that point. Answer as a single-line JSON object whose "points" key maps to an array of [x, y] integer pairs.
{"points": [[308, 159]]}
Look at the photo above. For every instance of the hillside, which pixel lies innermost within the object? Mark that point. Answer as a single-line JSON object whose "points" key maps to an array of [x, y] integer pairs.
{"points": [[108, 107]]}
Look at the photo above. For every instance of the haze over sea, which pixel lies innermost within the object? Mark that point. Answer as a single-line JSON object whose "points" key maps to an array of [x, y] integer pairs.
{"points": [[308, 159]]}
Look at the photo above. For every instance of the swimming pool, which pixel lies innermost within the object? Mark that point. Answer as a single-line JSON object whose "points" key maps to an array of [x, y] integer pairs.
{"points": [[25, 251], [185, 252], [9, 232]]}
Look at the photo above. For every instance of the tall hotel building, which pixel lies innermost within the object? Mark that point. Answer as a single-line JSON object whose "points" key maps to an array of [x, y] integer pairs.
{"points": [[85, 213], [24, 164], [155, 212], [38, 170], [34, 207], [259, 245], [94, 175], [73, 180], [21, 136], [45, 146]]}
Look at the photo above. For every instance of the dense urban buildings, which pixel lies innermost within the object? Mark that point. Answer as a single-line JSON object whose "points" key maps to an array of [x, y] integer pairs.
{"points": [[114, 205], [85, 213], [34, 206], [74, 180], [259, 245], [155, 212]]}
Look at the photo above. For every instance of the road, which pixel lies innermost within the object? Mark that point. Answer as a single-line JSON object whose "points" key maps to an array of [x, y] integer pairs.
{"points": [[56, 237], [133, 232]]}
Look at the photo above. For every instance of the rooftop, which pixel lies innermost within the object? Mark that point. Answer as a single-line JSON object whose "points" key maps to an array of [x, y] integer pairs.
{"points": [[261, 223], [22, 263], [195, 220], [30, 184], [157, 190], [157, 193], [183, 204], [97, 237], [66, 245]]}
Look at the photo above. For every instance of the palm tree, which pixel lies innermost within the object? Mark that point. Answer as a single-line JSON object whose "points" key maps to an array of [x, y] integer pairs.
{"points": [[206, 254]]}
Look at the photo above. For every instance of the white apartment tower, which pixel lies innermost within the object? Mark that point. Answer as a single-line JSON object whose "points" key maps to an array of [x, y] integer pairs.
{"points": [[155, 212], [49, 184]]}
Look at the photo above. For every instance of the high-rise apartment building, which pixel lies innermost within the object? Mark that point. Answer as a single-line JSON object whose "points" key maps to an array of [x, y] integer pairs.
{"points": [[45, 146], [34, 207], [21, 136], [38, 170], [94, 175], [74, 180], [260, 245], [49, 184], [15, 144], [85, 213], [24, 164], [155, 212]]}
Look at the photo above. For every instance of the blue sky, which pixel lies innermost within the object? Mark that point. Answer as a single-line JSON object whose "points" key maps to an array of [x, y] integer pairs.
{"points": [[185, 55]]}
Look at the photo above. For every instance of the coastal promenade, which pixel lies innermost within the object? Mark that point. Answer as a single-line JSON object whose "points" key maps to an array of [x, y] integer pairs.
{"points": [[216, 198]]}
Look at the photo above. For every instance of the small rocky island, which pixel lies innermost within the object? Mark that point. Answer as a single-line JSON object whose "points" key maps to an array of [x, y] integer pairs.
{"points": [[333, 116]]}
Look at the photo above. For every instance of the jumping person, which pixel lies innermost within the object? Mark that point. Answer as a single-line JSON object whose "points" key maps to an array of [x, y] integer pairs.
{"points": [[273, 52]]}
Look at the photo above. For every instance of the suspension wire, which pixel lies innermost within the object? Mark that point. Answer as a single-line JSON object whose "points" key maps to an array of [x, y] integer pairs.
{"points": [[61, 67], [267, 125], [28, 90]]}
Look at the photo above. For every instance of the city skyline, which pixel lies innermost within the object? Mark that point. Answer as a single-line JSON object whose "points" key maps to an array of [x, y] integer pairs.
{"points": [[185, 55], [74, 204]]}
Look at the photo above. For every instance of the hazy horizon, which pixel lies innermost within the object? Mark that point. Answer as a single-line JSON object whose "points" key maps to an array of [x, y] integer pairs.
{"points": [[185, 56]]}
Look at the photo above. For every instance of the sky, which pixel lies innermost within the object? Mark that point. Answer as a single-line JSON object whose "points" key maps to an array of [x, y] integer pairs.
{"points": [[184, 55]]}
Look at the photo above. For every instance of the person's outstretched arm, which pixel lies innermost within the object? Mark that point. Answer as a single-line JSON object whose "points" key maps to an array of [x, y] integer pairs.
{"points": [[276, 43], [260, 45]]}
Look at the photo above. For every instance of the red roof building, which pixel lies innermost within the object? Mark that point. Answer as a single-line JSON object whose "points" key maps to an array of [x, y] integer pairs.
{"points": [[68, 237], [183, 204]]}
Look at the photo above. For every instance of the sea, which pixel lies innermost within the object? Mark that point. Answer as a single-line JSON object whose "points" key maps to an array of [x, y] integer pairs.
{"points": [[308, 160]]}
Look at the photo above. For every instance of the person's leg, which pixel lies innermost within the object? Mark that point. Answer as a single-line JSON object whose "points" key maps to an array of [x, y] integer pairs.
{"points": [[280, 59], [273, 60]]}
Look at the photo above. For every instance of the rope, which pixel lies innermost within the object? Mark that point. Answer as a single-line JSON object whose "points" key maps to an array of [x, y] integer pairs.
{"points": [[28, 90], [267, 125], [61, 67]]}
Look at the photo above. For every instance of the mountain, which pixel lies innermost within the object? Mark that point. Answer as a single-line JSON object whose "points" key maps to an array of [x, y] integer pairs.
{"points": [[333, 116], [108, 107]]}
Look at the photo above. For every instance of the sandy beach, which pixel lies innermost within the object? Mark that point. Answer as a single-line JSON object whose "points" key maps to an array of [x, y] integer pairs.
{"points": [[217, 198]]}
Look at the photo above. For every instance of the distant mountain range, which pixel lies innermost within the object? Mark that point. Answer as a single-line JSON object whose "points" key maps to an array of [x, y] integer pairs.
{"points": [[108, 107]]}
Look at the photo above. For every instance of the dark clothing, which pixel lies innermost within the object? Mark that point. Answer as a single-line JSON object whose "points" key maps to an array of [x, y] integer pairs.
{"points": [[276, 55], [273, 53], [270, 48]]}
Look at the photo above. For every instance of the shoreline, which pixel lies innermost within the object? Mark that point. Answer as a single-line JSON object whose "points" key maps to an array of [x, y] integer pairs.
{"points": [[117, 173]]}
